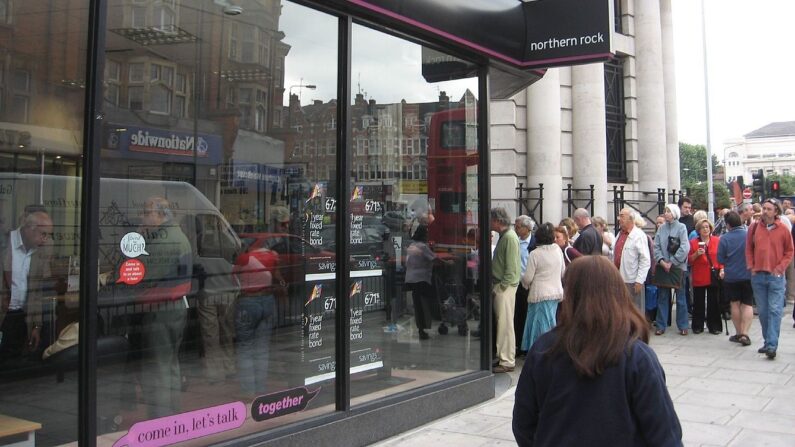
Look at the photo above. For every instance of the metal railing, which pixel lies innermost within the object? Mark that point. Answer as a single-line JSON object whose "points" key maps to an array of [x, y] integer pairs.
{"points": [[531, 201], [649, 204]]}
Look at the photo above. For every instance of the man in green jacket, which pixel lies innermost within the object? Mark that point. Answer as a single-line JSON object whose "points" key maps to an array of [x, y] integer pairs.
{"points": [[505, 278], [166, 284]]}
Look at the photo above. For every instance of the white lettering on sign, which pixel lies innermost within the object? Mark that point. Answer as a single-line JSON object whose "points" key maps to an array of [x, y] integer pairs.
{"points": [[170, 143], [553, 42]]}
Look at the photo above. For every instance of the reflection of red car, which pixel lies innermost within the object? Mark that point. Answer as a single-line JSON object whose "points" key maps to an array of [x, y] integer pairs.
{"points": [[294, 253]]}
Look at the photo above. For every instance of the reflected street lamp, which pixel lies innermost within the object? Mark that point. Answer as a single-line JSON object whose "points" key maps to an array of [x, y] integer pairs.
{"points": [[300, 85]]}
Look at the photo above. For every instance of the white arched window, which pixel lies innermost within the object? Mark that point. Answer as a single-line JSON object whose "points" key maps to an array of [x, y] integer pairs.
{"points": [[260, 118]]}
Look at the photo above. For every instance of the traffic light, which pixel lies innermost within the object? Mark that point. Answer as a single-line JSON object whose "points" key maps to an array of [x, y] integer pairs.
{"points": [[758, 183], [775, 188]]}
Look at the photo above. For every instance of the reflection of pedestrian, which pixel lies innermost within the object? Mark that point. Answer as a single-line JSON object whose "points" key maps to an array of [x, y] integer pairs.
{"points": [[25, 264], [218, 290], [254, 317], [594, 376], [419, 269], [167, 281]]}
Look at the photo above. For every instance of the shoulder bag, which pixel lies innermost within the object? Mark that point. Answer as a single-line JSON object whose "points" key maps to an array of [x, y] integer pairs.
{"points": [[714, 273], [672, 279]]}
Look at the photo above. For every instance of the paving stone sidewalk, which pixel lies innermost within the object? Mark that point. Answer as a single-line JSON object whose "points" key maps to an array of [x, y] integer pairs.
{"points": [[725, 395]]}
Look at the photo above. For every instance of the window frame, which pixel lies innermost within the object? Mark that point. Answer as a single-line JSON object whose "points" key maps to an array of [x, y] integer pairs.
{"points": [[615, 121]]}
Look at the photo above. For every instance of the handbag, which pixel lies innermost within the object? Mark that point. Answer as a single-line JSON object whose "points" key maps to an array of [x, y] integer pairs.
{"points": [[714, 274], [673, 245], [672, 279], [723, 304]]}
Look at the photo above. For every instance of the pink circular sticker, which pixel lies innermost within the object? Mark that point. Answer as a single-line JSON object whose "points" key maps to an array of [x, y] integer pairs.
{"points": [[131, 272]]}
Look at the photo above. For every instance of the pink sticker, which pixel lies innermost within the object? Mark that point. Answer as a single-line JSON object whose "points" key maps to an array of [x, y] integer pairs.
{"points": [[131, 272], [182, 427]]}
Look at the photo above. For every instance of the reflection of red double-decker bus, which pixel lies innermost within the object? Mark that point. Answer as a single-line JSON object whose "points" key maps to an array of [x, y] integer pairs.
{"points": [[452, 175]]}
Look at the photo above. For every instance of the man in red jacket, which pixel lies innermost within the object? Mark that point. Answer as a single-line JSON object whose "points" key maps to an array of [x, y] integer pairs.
{"points": [[768, 251]]}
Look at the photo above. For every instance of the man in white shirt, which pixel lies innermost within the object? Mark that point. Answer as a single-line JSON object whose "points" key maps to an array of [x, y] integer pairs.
{"points": [[632, 256], [25, 271]]}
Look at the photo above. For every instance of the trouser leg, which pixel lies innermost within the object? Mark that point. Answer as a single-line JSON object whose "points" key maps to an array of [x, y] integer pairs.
{"points": [[504, 301]]}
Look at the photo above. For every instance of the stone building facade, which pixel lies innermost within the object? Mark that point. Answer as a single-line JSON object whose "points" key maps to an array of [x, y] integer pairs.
{"points": [[769, 148]]}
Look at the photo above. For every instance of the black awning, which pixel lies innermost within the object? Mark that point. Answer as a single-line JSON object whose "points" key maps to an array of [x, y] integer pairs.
{"points": [[522, 35]]}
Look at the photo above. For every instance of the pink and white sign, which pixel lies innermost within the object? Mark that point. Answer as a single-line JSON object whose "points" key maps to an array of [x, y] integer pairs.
{"points": [[184, 426]]}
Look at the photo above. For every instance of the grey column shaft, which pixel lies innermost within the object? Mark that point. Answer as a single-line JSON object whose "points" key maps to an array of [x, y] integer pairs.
{"points": [[669, 79], [589, 136], [654, 160], [543, 142]]}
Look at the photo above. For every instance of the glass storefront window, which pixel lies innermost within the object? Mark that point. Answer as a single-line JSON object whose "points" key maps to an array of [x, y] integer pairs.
{"points": [[218, 213], [216, 261], [413, 217], [41, 110]]}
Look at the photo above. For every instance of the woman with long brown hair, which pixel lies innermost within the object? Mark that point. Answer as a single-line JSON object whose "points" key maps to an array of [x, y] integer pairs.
{"points": [[594, 377]]}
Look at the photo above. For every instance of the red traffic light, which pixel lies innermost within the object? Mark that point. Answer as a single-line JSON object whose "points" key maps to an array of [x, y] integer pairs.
{"points": [[775, 186]]}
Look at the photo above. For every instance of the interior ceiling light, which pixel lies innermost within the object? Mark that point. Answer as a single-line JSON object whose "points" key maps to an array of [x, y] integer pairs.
{"points": [[228, 8]]}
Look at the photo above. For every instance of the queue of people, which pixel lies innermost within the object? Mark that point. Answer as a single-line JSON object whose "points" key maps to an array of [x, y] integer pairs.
{"points": [[700, 272], [586, 338], [530, 268], [598, 347]]}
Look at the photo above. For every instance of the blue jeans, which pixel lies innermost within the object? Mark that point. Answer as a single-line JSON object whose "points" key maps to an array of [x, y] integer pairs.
{"points": [[254, 317], [663, 299], [769, 295], [651, 297]]}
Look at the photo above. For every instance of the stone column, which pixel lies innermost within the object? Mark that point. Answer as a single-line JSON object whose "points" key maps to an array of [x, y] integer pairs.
{"points": [[669, 78], [654, 160], [543, 142], [504, 149], [589, 136]]}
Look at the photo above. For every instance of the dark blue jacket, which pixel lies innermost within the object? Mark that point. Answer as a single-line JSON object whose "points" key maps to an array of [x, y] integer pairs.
{"points": [[589, 242], [731, 253], [628, 405]]}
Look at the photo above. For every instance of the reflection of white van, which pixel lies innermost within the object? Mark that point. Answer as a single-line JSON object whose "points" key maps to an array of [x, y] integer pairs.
{"points": [[214, 243]]}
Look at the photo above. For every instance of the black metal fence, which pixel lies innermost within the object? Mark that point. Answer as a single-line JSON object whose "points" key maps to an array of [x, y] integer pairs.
{"points": [[573, 200], [531, 201], [648, 204]]}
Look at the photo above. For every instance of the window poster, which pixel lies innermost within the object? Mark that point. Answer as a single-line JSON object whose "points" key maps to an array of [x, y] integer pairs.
{"points": [[368, 239]]}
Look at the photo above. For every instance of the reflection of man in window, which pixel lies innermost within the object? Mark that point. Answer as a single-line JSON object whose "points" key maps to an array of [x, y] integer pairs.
{"points": [[26, 268], [281, 220], [167, 281], [280, 243]]}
